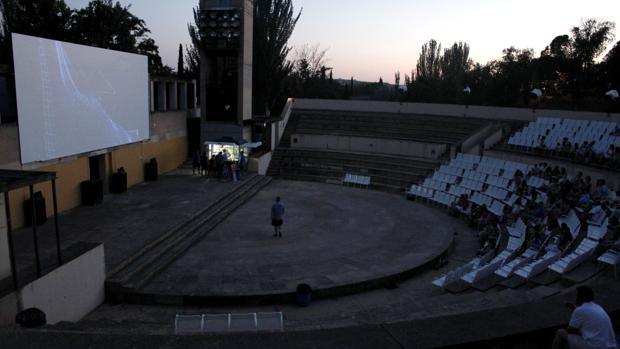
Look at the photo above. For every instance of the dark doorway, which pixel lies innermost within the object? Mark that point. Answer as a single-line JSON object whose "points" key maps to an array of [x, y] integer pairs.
{"points": [[97, 168]]}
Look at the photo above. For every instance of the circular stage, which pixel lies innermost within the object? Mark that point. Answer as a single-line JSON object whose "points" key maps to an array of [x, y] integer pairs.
{"points": [[337, 239]]}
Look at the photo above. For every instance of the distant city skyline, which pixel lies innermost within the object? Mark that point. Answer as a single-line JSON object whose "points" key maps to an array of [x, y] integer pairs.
{"points": [[372, 39]]}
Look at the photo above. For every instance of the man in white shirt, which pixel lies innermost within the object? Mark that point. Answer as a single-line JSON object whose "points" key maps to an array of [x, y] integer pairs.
{"points": [[589, 326]]}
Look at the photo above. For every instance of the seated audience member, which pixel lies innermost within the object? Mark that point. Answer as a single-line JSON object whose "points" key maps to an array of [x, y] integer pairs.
{"points": [[564, 207], [565, 237], [489, 232], [611, 238], [580, 154], [609, 153], [553, 225], [587, 185], [463, 204], [575, 150], [548, 174], [589, 326], [536, 236], [517, 178], [478, 215], [521, 189], [486, 249], [567, 148], [517, 208], [541, 142], [615, 162], [601, 192], [538, 210], [507, 217], [585, 200]]}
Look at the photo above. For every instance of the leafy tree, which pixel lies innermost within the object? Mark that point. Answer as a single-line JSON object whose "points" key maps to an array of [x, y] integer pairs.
{"points": [[560, 47], [429, 63], [515, 73], [455, 63], [590, 40], [109, 25], [274, 22], [148, 48], [611, 67], [309, 62], [309, 77], [43, 18], [180, 65], [396, 81], [192, 54]]}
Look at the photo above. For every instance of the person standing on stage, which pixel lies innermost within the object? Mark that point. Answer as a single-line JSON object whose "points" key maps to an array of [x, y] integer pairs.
{"points": [[204, 164], [196, 161], [277, 215]]}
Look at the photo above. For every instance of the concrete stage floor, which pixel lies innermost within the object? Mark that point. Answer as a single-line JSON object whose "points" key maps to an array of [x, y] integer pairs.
{"points": [[333, 236]]}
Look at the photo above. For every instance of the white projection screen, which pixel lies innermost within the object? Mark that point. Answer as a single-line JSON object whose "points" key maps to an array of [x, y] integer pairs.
{"points": [[73, 99]]}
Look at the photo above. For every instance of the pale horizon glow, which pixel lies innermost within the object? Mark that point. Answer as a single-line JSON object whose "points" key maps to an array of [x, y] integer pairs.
{"points": [[371, 39]]}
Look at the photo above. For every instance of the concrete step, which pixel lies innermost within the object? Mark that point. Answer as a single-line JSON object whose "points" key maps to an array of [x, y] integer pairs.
{"points": [[140, 268]]}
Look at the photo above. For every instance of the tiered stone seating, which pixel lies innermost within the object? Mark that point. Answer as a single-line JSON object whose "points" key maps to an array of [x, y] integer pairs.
{"points": [[422, 128], [387, 173]]}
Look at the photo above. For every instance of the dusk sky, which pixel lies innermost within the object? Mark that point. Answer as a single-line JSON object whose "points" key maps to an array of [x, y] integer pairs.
{"points": [[372, 39]]}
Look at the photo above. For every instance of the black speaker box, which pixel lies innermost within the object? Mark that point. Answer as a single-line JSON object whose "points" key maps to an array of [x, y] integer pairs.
{"points": [[92, 192], [150, 170], [39, 207], [118, 184]]}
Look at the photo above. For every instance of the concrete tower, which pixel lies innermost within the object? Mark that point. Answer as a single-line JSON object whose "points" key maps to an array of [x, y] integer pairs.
{"points": [[226, 29]]}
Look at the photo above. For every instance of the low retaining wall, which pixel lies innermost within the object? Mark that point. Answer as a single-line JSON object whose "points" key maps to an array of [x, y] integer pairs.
{"points": [[471, 111], [368, 145], [260, 164], [67, 293]]}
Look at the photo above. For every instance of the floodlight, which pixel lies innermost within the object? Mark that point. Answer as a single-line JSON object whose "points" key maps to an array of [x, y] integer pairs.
{"points": [[467, 90], [537, 92]]}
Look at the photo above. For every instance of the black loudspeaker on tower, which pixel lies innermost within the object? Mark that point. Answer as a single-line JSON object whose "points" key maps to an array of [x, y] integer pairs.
{"points": [[39, 207], [92, 192]]}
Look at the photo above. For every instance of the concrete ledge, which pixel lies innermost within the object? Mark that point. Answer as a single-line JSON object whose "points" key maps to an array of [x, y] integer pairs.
{"points": [[388, 280], [472, 111], [528, 325]]}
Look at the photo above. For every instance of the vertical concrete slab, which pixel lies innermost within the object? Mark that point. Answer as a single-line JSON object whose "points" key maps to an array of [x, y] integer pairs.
{"points": [[71, 291]]}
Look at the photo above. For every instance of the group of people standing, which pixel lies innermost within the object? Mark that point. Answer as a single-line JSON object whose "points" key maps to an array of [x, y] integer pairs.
{"points": [[219, 166]]}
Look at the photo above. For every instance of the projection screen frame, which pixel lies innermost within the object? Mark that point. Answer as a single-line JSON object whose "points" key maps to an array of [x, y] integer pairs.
{"points": [[74, 99]]}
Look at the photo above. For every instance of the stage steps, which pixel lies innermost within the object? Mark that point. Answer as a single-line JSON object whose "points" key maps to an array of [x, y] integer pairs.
{"points": [[135, 271]]}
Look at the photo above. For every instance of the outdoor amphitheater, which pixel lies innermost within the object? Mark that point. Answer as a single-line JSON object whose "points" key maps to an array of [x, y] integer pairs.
{"points": [[370, 191], [254, 198]]}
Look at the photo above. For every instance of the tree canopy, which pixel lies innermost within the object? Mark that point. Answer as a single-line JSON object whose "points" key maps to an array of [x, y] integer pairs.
{"points": [[101, 23], [274, 22], [567, 71]]}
